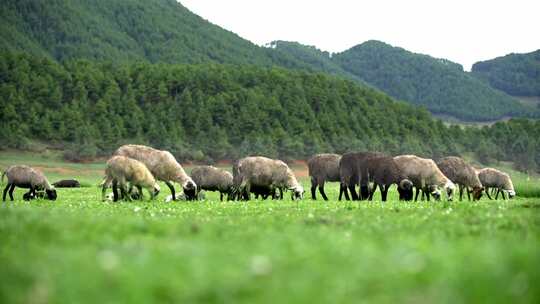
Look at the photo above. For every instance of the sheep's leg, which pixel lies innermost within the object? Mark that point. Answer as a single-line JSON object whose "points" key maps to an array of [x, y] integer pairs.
{"points": [[171, 186], [11, 191], [384, 193], [370, 195], [502, 193], [115, 190], [139, 188], [487, 193], [460, 193], [321, 190], [468, 194], [5, 192], [497, 196], [427, 194], [221, 196], [313, 188], [341, 191], [417, 192], [352, 189]]}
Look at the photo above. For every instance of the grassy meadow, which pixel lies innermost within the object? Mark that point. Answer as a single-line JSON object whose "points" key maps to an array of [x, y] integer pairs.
{"points": [[79, 249]]}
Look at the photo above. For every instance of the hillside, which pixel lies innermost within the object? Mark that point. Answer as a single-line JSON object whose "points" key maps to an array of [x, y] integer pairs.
{"points": [[125, 31], [438, 84], [515, 74], [317, 60]]}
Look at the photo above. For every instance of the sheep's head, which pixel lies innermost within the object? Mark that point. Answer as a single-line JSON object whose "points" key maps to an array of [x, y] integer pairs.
{"points": [[511, 193], [156, 190], [406, 185], [190, 190], [51, 194], [435, 192], [297, 192], [477, 193], [449, 187]]}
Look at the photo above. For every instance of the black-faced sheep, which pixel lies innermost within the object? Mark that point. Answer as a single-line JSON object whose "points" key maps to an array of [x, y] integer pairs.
{"points": [[210, 178], [463, 174], [120, 170], [27, 178], [351, 166], [67, 183], [425, 175], [264, 172], [323, 168], [493, 178], [383, 172], [162, 165]]}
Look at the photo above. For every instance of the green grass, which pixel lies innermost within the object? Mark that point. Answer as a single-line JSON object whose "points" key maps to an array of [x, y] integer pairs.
{"points": [[79, 249]]}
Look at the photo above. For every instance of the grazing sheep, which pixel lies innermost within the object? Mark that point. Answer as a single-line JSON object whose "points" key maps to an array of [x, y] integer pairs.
{"points": [[121, 170], [27, 178], [210, 178], [493, 178], [383, 172], [264, 172], [425, 176], [323, 168], [463, 174], [67, 183], [162, 165], [351, 167]]}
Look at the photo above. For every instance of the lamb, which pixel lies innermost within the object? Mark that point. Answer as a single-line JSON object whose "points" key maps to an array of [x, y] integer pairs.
{"points": [[322, 168], [28, 178], [351, 166], [265, 172], [493, 178], [383, 172], [463, 174], [121, 170], [210, 178], [425, 175], [162, 165], [201, 196], [67, 183]]}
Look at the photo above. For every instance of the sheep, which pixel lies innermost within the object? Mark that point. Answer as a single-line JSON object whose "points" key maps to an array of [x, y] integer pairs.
{"points": [[120, 170], [29, 178], [210, 178], [463, 174], [351, 166], [493, 178], [162, 165], [383, 172], [67, 183], [264, 172], [322, 168], [425, 175]]}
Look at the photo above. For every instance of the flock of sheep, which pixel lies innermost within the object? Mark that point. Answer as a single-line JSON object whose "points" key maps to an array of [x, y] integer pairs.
{"points": [[133, 168]]}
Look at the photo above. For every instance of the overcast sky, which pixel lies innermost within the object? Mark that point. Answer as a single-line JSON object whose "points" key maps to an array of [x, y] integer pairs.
{"points": [[462, 31]]}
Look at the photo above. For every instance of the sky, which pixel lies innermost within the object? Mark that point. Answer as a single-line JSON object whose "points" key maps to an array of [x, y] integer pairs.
{"points": [[461, 31]]}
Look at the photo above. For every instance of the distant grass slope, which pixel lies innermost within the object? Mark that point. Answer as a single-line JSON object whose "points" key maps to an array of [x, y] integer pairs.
{"points": [[515, 74]]}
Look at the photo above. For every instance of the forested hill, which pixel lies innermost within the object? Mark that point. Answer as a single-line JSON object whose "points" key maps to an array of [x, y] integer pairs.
{"points": [[205, 111], [438, 84], [515, 74], [125, 31]]}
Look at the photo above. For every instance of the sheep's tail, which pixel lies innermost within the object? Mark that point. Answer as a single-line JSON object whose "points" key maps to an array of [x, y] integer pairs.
{"points": [[3, 174]]}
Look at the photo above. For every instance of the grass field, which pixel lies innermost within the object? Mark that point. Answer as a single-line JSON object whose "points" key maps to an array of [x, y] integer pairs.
{"points": [[79, 249]]}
